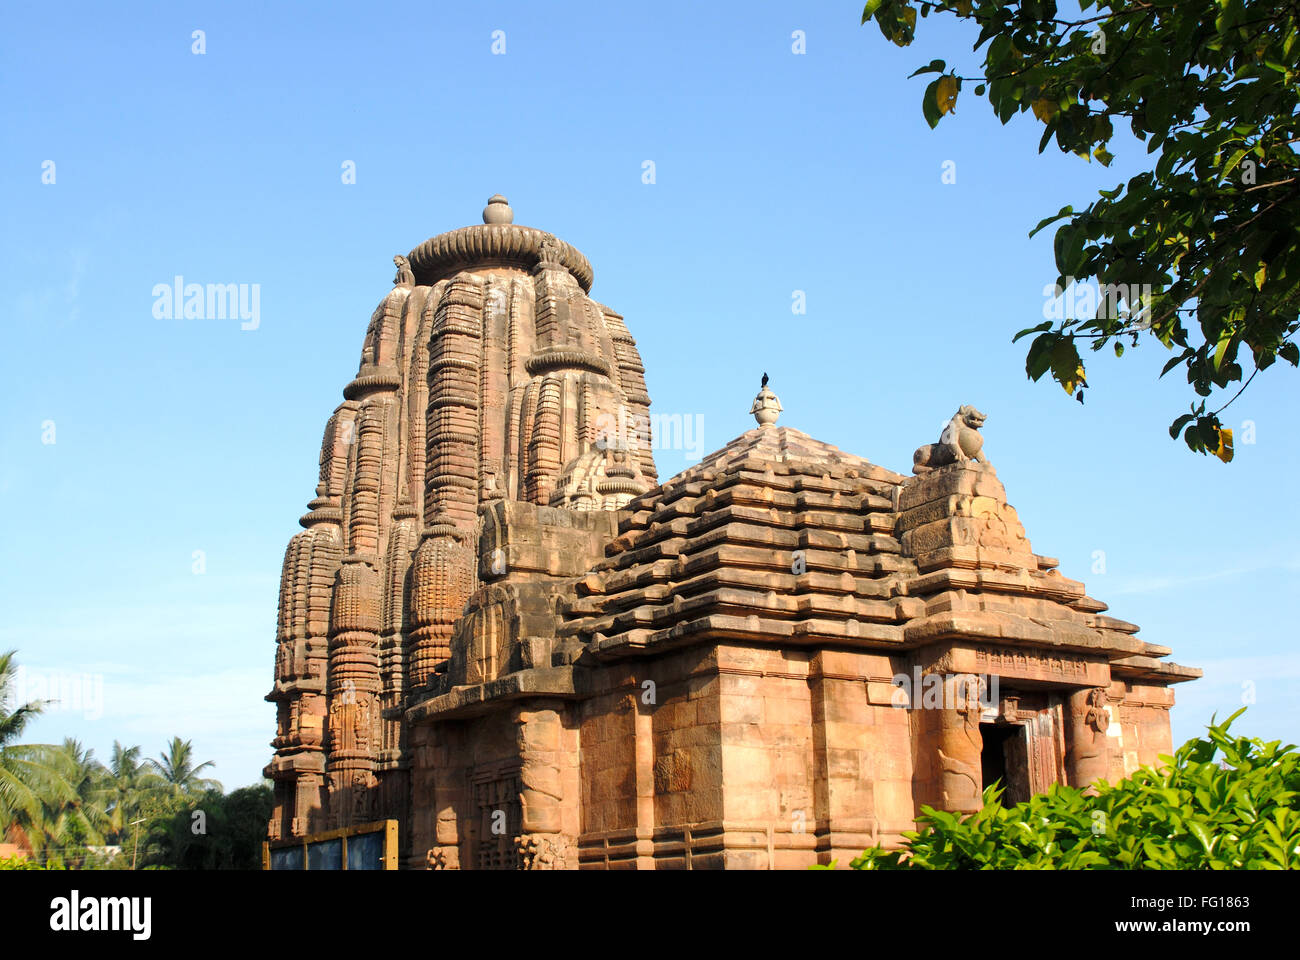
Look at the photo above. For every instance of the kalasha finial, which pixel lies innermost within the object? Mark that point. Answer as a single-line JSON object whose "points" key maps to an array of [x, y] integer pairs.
{"points": [[767, 406], [498, 210]]}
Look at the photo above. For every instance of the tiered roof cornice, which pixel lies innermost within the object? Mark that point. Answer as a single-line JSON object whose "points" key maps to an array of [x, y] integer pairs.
{"points": [[491, 244]]}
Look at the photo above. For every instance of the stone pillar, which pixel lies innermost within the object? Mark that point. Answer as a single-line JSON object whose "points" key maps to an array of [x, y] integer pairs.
{"points": [[448, 795], [950, 737], [309, 800], [438, 796], [843, 788], [1087, 720], [645, 783], [539, 729]]}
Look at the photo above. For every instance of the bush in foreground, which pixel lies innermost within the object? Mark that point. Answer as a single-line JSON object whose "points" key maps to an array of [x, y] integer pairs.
{"points": [[22, 863], [1195, 812]]}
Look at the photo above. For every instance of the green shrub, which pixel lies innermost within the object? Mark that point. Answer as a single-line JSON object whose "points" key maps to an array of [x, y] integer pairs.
{"points": [[22, 863], [1192, 813]]}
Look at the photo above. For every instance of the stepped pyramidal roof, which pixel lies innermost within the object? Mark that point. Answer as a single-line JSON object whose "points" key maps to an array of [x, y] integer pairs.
{"points": [[708, 551]]}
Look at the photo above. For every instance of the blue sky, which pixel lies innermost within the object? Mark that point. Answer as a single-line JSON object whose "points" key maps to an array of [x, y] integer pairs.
{"points": [[774, 173]]}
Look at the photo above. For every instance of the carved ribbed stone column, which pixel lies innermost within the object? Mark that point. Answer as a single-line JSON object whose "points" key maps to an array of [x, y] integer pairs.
{"points": [[307, 578], [442, 578], [354, 687], [451, 472], [392, 652]]}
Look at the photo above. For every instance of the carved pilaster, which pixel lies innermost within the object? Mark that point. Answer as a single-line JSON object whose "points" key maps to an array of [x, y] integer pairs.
{"points": [[442, 579], [952, 744], [1087, 721], [354, 689]]}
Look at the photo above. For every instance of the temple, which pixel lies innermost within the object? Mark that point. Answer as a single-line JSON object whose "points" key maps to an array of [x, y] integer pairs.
{"points": [[500, 630]]}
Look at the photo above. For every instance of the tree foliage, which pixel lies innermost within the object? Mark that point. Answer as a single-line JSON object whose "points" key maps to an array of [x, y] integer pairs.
{"points": [[70, 810], [178, 771], [227, 834], [23, 863], [1220, 802], [35, 779], [130, 782], [1210, 87]]}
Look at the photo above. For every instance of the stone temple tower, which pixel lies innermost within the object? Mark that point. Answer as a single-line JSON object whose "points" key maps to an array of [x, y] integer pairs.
{"points": [[487, 374], [500, 630]]}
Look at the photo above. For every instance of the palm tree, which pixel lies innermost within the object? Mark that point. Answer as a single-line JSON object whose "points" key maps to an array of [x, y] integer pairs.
{"points": [[32, 776], [178, 771], [76, 819], [85, 818], [130, 782]]}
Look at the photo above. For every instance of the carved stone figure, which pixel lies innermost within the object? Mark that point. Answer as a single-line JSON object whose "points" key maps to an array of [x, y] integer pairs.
{"points": [[404, 278], [538, 852], [549, 251], [959, 442], [494, 487], [959, 744], [1087, 726], [360, 798], [1098, 715], [436, 859]]}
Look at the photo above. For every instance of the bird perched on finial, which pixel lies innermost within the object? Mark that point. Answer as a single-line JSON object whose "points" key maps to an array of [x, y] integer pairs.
{"points": [[766, 407], [764, 383]]}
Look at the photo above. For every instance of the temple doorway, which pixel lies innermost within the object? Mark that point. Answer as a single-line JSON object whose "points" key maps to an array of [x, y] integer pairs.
{"points": [[1005, 759]]}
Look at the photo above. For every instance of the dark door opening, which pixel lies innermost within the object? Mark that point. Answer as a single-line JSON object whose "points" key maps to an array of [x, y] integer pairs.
{"points": [[1004, 759]]}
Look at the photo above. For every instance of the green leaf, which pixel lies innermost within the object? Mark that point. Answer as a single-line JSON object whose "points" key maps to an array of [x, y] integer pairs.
{"points": [[930, 104], [1039, 359], [1221, 349], [936, 66], [1067, 368], [1045, 325], [1063, 212], [1231, 168], [1175, 361]]}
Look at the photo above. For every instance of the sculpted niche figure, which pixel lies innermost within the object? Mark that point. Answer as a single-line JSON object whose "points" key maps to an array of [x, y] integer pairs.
{"points": [[405, 277], [960, 441], [1088, 721]]}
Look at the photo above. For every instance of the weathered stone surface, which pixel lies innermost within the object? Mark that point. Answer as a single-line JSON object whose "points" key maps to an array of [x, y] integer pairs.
{"points": [[960, 442], [497, 628]]}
